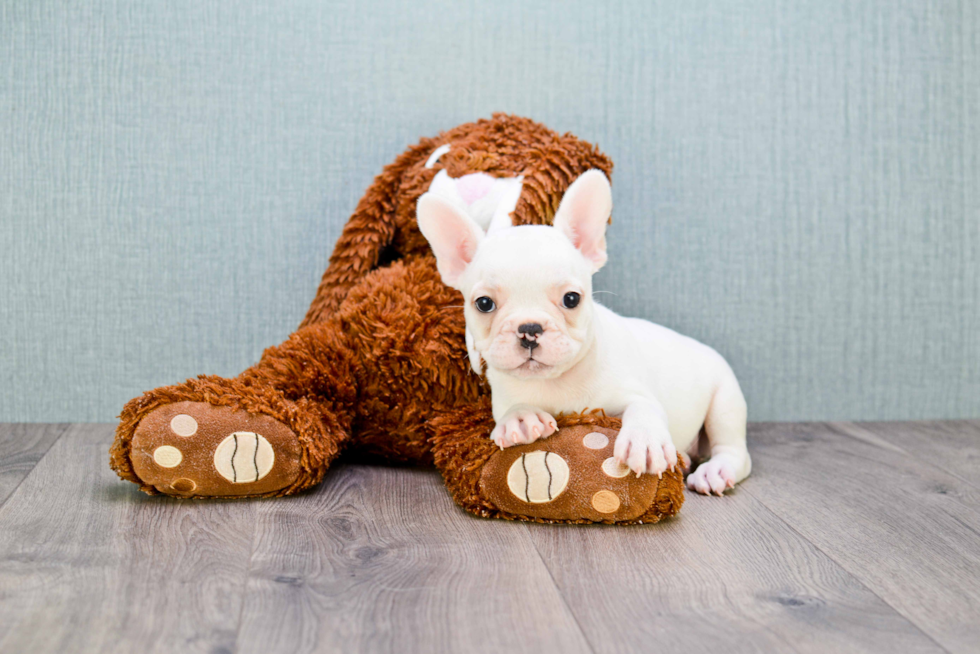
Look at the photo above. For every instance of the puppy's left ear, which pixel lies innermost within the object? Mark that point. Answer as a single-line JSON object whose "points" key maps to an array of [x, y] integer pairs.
{"points": [[583, 213], [452, 234]]}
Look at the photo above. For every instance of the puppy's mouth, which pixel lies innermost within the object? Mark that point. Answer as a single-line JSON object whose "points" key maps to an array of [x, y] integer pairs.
{"points": [[531, 366], [541, 351]]}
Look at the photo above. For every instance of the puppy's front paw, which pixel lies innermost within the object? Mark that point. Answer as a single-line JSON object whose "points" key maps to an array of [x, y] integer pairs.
{"points": [[716, 475], [522, 425], [645, 449]]}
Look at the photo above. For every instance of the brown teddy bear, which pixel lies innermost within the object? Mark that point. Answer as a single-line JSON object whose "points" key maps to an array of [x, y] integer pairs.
{"points": [[379, 369]]}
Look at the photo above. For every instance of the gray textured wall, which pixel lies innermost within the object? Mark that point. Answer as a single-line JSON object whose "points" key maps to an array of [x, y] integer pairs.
{"points": [[796, 182]]}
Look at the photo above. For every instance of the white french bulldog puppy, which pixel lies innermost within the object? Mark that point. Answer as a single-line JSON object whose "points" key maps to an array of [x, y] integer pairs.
{"points": [[550, 348]]}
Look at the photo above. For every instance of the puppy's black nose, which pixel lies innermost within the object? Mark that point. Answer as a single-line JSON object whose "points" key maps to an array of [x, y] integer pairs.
{"points": [[531, 329], [528, 344]]}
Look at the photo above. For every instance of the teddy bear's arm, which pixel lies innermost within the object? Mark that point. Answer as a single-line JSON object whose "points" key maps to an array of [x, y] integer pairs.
{"points": [[371, 229]]}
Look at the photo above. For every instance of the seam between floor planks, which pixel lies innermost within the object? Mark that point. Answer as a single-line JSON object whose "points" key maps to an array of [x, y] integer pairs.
{"points": [[855, 575], [900, 502], [742, 595], [417, 589], [845, 569], [62, 430], [907, 446], [559, 590], [100, 555], [236, 647], [874, 428]]}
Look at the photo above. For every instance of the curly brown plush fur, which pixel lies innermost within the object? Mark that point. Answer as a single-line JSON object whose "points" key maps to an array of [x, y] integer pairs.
{"points": [[379, 367]]}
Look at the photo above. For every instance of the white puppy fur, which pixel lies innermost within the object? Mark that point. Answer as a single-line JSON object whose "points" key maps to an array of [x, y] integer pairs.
{"points": [[550, 348]]}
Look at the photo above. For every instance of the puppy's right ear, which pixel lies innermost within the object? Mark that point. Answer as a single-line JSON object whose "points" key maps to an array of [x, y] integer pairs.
{"points": [[452, 234], [583, 213]]}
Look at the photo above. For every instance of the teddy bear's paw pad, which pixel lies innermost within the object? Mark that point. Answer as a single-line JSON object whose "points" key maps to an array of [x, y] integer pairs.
{"points": [[244, 457], [571, 475], [538, 477], [195, 449]]}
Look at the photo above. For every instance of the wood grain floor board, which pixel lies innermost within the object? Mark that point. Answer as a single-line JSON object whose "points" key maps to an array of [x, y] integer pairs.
{"points": [[21, 447], [846, 538], [725, 575], [381, 560], [90, 564], [953, 445], [907, 529]]}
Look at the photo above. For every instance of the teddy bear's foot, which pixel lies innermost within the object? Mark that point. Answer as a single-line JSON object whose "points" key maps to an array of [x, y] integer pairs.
{"points": [[194, 449], [570, 476], [573, 477]]}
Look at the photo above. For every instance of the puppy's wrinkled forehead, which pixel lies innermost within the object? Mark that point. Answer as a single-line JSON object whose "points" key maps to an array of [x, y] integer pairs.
{"points": [[529, 255]]}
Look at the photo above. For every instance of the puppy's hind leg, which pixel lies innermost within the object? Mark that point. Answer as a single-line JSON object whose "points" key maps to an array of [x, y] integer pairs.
{"points": [[725, 428]]}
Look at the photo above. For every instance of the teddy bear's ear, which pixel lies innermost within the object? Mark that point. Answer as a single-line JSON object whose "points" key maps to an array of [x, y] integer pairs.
{"points": [[453, 235], [583, 213]]}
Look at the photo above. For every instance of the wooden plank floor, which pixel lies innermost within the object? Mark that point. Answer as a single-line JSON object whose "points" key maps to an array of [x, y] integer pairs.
{"points": [[847, 537]]}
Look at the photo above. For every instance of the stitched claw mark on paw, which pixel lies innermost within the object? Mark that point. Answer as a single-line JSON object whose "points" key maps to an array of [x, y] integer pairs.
{"points": [[538, 477], [244, 457]]}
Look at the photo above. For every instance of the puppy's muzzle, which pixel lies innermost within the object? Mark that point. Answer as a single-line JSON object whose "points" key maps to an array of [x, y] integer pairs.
{"points": [[529, 333]]}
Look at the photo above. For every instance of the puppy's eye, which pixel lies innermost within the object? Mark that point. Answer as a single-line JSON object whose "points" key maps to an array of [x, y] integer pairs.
{"points": [[485, 304], [571, 300]]}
